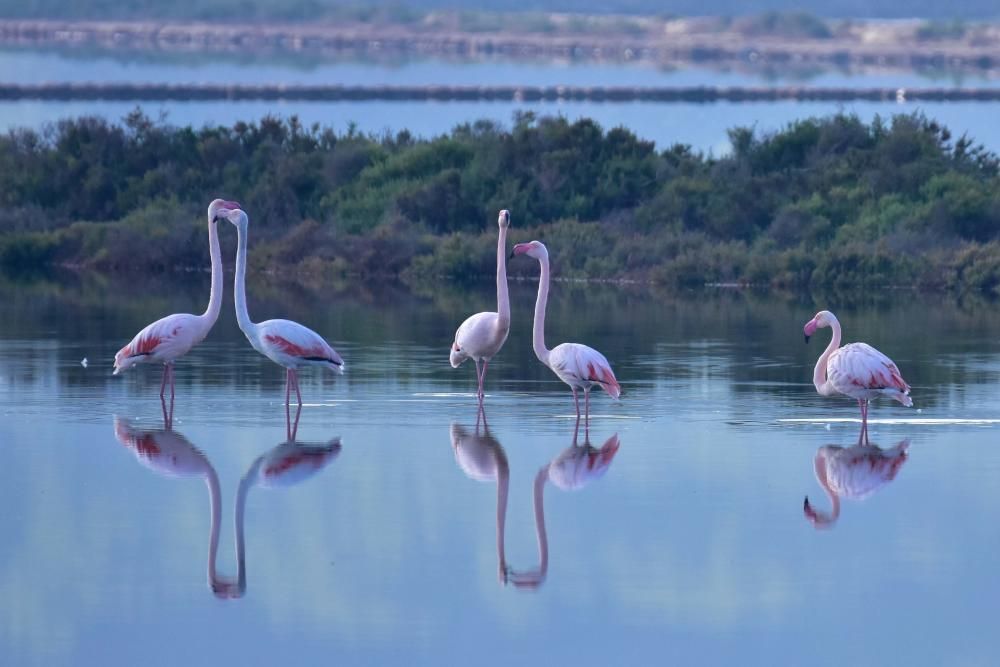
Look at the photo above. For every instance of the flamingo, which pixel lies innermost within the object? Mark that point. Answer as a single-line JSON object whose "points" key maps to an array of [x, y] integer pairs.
{"points": [[482, 458], [482, 335], [577, 365], [168, 453], [854, 472], [173, 336], [284, 342], [856, 370], [571, 470]]}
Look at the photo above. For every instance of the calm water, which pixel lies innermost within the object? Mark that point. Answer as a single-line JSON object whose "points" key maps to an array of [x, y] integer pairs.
{"points": [[703, 126], [375, 539]]}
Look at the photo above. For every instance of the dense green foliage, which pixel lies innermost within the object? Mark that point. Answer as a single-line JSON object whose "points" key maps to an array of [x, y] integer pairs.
{"points": [[831, 201]]}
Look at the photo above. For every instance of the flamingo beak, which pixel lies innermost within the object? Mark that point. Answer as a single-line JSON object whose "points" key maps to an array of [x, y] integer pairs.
{"points": [[810, 328]]}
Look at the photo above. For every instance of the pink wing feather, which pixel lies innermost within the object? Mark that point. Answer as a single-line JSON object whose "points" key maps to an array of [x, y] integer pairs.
{"points": [[864, 367], [284, 337], [164, 340]]}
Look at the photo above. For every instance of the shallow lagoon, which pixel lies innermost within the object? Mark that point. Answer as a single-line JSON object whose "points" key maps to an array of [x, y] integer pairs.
{"points": [[692, 545]]}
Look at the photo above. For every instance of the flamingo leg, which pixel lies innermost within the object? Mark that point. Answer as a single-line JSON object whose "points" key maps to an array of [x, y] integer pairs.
{"points": [[168, 415], [576, 402], [482, 378], [576, 429], [864, 409], [295, 378], [288, 384], [479, 380], [171, 367], [163, 382]]}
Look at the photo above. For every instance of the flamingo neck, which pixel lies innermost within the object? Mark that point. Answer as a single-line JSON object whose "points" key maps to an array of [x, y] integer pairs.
{"points": [[503, 299], [535, 578], [503, 486], [819, 373], [215, 501], [822, 518], [538, 333], [215, 296], [225, 586], [239, 287]]}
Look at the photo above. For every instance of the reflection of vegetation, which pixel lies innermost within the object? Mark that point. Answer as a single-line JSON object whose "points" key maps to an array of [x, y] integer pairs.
{"points": [[823, 202], [941, 30], [785, 24]]}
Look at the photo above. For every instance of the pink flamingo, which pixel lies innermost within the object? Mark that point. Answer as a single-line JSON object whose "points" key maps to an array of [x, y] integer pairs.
{"points": [[482, 335], [577, 365], [856, 370], [168, 453], [284, 342], [173, 336], [853, 472], [575, 467], [482, 458]]}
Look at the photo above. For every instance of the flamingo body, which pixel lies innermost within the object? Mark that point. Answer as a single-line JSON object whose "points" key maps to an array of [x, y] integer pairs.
{"points": [[854, 473], [577, 466], [860, 371], [583, 367], [293, 462], [286, 343], [477, 453], [173, 336], [579, 366], [292, 345], [163, 341], [481, 336], [857, 370], [163, 451]]}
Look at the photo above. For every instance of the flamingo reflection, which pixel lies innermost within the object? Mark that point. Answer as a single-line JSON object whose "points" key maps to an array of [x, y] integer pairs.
{"points": [[854, 473], [169, 453], [482, 458]]}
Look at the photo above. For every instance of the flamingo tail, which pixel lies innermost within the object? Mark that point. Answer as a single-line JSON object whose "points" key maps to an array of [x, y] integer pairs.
{"points": [[901, 396]]}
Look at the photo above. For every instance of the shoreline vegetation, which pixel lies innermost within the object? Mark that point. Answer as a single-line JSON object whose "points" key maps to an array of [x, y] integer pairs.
{"points": [[769, 40], [825, 202]]}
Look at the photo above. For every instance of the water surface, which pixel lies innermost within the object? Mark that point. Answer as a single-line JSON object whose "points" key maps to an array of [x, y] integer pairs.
{"points": [[375, 539]]}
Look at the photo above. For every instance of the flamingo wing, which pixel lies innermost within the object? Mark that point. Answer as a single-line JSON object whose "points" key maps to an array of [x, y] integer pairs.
{"points": [[860, 366], [164, 340], [290, 344], [579, 365]]}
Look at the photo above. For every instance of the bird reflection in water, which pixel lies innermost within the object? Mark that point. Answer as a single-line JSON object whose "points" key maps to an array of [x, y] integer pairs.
{"points": [[168, 453], [853, 473], [482, 458]]}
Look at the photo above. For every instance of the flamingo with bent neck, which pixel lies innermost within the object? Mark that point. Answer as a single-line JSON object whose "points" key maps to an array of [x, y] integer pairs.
{"points": [[574, 468], [481, 336], [173, 336], [168, 453], [579, 366], [482, 458], [856, 370], [854, 473], [286, 343]]}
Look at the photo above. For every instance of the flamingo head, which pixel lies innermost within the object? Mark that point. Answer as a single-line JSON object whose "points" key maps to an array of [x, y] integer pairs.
{"points": [[504, 219], [220, 208], [823, 318], [534, 249], [238, 217], [819, 520]]}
